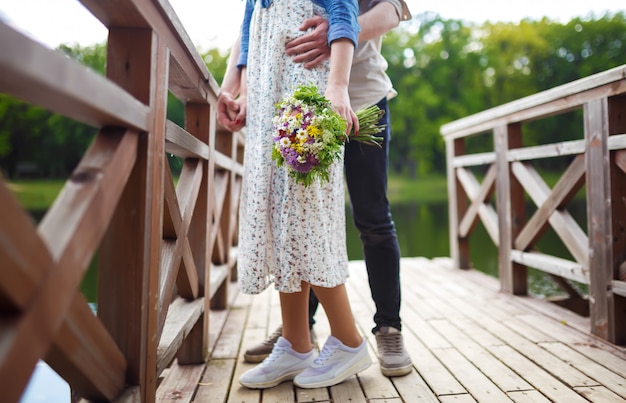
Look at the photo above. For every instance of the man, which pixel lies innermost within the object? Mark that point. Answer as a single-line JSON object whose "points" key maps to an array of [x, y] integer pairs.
{"points": [[366, 168]]}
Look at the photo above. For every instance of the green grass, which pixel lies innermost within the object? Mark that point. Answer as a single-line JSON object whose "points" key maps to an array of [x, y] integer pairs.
{"points": [[430, 188], [36, 195]]}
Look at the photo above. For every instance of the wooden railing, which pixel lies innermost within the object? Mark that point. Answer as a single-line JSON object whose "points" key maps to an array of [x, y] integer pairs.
{"points": [[598, 167], [165, 250]]}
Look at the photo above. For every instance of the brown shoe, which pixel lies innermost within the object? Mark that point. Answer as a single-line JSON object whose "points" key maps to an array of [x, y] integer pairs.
{"points": [[259, 352]]}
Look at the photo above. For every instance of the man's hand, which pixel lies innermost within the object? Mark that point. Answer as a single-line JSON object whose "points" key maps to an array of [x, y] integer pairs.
{"points": [[311, 48], [231, 113]]}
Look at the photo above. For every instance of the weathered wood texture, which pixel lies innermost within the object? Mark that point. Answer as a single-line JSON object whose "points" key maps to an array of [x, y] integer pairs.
{"points": [[165, 246], [468, 342], [598, 249]]}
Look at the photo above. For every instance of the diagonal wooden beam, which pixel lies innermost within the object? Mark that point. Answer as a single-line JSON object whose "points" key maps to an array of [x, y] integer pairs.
{"points": [[620, 159], [478, 207], [220, 186], [561, 221], [564, 191], [234, 219], [479, 199], [177, 244], [68, 236]]}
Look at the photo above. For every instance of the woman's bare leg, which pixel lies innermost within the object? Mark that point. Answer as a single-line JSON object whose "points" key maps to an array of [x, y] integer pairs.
{"points": [[337, 306], [294, 308]]}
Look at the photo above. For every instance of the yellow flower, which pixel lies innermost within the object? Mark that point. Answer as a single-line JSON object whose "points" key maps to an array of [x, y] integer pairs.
{"points": [[313, 131]]}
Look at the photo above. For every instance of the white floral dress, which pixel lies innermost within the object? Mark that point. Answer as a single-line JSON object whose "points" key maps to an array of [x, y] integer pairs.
{"points": [[287, 233]]}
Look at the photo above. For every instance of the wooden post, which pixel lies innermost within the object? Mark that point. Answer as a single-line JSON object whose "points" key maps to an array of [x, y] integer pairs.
{"points": [[511, 210], [617, 125], [130, 253], [198, 122], [457, 205], [599, 219]]}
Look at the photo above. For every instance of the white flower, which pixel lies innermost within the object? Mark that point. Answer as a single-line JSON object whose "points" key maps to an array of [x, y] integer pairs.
{"points": [[284, 142]]}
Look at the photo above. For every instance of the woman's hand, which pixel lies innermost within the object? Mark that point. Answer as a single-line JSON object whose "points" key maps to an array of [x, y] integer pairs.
{"points": [[338, 96], [231, 113]]}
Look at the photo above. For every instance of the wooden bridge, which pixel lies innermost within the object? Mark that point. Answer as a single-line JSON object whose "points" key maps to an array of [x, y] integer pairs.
{"points": [[170, 324]]}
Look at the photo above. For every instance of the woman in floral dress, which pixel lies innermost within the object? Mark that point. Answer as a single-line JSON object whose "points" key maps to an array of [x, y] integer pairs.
{"points": [[291, 235]]}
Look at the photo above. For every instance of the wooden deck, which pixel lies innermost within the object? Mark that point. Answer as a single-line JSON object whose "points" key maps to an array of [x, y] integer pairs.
{"points": [[468, 341]]}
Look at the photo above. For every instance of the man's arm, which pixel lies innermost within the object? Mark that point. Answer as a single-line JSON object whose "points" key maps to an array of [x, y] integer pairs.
{"points": [[312, 48]]}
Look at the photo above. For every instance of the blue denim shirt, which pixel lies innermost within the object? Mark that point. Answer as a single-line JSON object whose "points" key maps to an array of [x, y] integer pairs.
{"points": [[342, 22]]}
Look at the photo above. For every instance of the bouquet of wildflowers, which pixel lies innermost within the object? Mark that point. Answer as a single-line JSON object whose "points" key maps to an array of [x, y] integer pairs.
{"points": [[308, 133]]}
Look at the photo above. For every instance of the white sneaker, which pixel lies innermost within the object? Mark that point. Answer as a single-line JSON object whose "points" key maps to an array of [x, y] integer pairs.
{"points": [[283, 364], [336, 363]]}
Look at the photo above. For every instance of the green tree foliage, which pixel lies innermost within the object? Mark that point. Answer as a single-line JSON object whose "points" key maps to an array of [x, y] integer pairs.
{"points": [[448, 69], [443, 69]]}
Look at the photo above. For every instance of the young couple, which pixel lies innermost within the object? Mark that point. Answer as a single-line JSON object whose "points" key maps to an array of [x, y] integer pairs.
{"points": [[292, 235]]}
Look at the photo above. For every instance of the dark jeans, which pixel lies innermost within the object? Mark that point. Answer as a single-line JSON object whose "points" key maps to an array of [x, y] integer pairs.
{"points": [[366, 176]]}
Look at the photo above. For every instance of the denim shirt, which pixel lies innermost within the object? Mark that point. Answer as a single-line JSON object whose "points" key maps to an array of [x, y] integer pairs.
{"points": [[342, 22]]}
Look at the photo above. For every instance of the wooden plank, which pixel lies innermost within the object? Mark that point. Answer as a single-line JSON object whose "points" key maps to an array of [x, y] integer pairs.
{"points": [[557, 368], [619, 288], [528, 396], [608, 379], [462, 398], [180, 383], [228, 344], [552, 264], [312, 395], [66, 87], [238, 393], [474, 159], [502, 376], [283, 392], [598, 394], [348, 390], [477, 384], [440, 380], [567, 96], [183, 144], [182, 316], [572, 147], [215, 382], [375, 385], [413, 386], [536, 375]]}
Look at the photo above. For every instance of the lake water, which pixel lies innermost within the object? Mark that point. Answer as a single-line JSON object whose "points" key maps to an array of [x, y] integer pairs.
{"points": [[423, 230]]}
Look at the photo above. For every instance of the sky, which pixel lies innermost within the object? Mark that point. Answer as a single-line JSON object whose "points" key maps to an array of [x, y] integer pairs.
{"points": [[215, 23]]}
